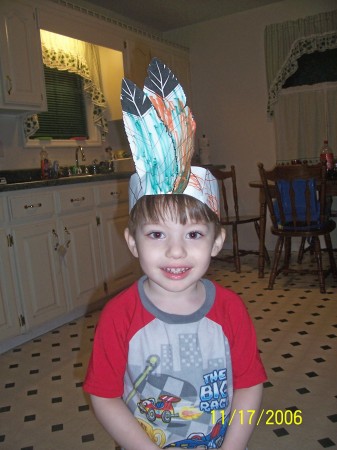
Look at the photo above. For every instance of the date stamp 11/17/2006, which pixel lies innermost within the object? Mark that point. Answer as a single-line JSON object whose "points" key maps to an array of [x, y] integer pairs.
{"points": [[263, 417]]}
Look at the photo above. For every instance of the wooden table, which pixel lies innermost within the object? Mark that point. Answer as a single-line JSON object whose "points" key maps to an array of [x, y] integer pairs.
{"points": [[331, 191]]}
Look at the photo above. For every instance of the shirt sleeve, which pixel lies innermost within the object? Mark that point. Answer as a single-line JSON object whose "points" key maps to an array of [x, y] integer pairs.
{"points": [[247, 366], [121, 318], [107, 363]]}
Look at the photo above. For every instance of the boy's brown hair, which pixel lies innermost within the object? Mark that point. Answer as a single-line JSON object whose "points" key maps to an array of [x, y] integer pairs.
{"points": [[180, 207]]}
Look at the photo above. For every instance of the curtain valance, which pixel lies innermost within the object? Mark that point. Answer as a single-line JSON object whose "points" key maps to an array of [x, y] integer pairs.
{"points": [[286, 42], [304, 117], [65, 53]]}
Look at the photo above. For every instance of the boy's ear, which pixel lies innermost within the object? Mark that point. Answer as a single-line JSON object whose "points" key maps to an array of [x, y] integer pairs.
{"points": [[218, 243], [130, 240]]}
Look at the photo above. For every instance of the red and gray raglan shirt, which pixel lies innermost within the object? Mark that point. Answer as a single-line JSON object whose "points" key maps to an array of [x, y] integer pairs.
{"points": [[176, 373]]}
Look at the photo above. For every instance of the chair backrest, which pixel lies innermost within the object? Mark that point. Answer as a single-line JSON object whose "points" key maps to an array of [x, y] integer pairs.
{"points": [[295, 195], [226, 179]]}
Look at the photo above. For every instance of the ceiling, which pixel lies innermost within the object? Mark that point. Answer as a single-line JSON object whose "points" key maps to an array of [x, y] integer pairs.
{"points": [[166, 15]]}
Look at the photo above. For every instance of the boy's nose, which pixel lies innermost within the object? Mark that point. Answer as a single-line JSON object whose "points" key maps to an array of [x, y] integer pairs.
{"points": [[175, 249]]}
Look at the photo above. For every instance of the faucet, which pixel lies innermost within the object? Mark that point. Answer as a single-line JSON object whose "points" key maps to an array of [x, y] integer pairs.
{"points": [[79, 148], [110, 163]]}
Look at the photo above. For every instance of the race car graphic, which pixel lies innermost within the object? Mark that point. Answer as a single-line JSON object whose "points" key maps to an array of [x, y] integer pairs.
{"points": [[160, 409], [213, 440]]}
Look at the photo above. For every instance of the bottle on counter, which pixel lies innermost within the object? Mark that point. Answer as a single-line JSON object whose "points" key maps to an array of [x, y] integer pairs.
{"points": [[326, 155], [45, 165], [55, 169]]}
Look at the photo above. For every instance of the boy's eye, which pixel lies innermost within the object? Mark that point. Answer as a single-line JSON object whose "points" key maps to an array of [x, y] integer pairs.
{"points": [[194, 235], [156, 235]]}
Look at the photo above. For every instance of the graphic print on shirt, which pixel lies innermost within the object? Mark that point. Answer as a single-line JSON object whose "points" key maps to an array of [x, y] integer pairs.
{"points": [[213, 440], [174, 381], [162, 408], [151, 363]]}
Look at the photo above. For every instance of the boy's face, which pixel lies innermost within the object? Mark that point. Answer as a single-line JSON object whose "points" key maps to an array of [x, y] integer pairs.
{"points": [[172, 255]]}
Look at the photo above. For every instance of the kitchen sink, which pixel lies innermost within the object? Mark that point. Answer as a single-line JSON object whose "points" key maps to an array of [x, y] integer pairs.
{"points": [[20, 176], [34, 175]]}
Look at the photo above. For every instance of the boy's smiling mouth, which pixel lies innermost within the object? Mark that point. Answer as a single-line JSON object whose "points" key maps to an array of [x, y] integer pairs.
{"points": [[176, 270]]}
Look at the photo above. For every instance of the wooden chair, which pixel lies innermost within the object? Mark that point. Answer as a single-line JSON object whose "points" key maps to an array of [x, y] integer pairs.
{"points": [[227, 181], [296, 199], [310, 248]]}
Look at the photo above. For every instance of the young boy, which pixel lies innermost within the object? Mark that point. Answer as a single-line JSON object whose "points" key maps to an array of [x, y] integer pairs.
{"points": [[175, 358]]}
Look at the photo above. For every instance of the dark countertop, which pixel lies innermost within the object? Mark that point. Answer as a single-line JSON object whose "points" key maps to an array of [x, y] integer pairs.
{"points": [[75, 179], [23, 179]]}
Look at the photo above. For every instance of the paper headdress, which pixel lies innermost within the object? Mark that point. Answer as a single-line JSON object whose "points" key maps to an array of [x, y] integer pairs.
{"points": [[160, 129]]}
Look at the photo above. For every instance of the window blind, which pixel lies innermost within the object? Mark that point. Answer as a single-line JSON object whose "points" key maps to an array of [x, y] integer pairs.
{"points": [[66, 115]]}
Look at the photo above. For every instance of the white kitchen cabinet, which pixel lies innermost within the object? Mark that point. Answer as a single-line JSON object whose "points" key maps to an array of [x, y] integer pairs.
{"points": [[10, 317], [33, 240], [39, 271], [82, 259], [22, 78], [121, 267], [31, 205], [81, 252], [177, 59], [139, 56], [140, 52], [63, 252], [181, 68]]}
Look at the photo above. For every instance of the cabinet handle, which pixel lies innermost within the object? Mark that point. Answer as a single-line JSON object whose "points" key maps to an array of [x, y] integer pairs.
{"points": [[115, 194], [9, 84], [68, 234], [37, 205], [57, 240], [78, 199]]}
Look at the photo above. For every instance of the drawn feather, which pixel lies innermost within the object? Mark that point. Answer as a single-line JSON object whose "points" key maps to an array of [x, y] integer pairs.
{"points": [[160, 129], [149, 141], [169, 99]]}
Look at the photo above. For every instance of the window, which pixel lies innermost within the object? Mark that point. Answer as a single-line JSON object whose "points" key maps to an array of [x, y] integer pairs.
{"points": [[66, 116], [70, 56], [313, 68], [305, 113], [303, 103]]}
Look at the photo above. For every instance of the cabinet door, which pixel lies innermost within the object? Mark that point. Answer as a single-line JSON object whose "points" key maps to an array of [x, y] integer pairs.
{"points": [[140, 54], [39, 272], [82, 259], [121, 268], [21, 58], [139, 57], [9, 315], [181, 68]]}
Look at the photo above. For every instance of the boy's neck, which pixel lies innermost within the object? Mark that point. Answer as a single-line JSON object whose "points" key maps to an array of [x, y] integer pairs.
{"points": [[184, 303]]}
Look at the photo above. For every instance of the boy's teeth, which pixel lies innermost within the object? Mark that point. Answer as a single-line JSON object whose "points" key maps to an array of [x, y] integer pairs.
{"points": [[177, 270]]}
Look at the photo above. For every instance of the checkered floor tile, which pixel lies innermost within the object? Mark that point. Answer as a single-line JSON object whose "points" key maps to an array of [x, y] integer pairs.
{"points": [[43, 407]]}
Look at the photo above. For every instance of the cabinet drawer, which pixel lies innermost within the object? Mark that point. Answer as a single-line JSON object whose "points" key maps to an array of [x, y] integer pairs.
{"points": [[76, 198], [31, 205], [2, 214], [114, 192]]}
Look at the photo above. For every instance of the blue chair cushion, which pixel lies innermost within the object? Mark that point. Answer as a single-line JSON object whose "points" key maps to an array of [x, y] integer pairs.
{"points": [[299, 187]]}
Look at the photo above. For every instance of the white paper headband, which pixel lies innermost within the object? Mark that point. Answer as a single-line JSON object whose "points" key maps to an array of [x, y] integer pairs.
{"points": [[160, 128]]}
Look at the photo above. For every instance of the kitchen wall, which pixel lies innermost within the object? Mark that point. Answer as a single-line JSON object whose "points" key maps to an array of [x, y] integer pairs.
{"points": [[230, 89]]}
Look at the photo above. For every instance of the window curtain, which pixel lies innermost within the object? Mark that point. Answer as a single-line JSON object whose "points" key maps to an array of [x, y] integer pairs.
{"points": [[286, 42], [304, 117], [64, 53]]}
